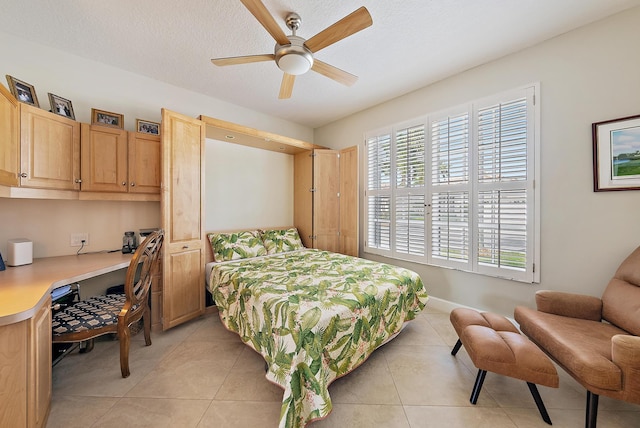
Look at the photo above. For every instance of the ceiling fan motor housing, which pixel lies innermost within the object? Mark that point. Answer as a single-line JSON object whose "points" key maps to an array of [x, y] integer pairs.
{"points": [[294, 58]]}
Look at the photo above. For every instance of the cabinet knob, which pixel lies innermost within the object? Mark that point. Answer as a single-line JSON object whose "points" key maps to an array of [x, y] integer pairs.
{"points": [[77, 180], [24, 175], [184, 247], [133, 184], [124, 183]]}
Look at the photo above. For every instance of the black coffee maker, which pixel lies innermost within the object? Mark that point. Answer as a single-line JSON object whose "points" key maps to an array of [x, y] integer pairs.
{"points": [[129, 242]]}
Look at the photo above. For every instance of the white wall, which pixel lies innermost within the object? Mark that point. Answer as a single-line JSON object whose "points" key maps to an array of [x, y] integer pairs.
{"points": [[588, 75], [89, 84], [247, 187]]}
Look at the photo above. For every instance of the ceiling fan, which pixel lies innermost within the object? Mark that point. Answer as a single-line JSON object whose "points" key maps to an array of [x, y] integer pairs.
{"points": [[293, 54]]}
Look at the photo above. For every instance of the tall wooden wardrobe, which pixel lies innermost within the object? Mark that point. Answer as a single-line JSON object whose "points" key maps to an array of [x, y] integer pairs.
{"points": [[182, 206], [326, 199]]}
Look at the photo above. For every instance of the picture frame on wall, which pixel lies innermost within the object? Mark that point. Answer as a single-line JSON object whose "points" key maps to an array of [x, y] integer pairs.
{"points": [[61, 106], [147, 127], [23, 91], [107, 118], [616, 154]]}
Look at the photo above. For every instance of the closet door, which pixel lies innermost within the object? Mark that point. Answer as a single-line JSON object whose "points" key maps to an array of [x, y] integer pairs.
{"points": [[349, 201], [182, 218], [303, 196], [326, 200]]}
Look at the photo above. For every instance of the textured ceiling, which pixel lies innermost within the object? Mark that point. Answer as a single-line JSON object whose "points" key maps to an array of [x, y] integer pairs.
{"points": [[411, 44]]}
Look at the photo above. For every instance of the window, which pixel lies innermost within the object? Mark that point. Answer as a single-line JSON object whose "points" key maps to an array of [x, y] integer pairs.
{"points": [[456, 189]]}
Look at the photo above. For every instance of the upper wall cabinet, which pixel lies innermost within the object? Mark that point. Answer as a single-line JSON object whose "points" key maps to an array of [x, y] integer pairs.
{"points": [[117, 161], [49, 150], [9, 138], [144, 163]]}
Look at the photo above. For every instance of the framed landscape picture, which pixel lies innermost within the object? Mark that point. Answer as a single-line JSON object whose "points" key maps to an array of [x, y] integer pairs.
{"points": [[107, 118], [61, 106], [616, 154], [23, 91], [147, 127]]}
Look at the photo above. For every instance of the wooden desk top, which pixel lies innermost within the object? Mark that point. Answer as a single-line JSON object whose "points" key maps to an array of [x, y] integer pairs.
{"points": [[23, 288]]}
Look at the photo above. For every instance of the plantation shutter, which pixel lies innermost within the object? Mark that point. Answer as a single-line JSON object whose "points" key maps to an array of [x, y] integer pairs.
{"points": [[504, 192], [410, 185], [450, 190], [378, 193]]}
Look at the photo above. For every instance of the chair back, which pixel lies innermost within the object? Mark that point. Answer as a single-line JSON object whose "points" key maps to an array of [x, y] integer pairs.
{"points": [[140, 274], [621, 298]]}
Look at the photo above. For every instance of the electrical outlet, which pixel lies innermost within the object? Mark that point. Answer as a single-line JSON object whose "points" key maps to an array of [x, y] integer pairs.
{"points": [[77, 238]]}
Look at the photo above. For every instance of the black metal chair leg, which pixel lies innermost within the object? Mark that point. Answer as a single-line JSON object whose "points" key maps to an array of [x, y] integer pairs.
{"points": [[456, 347], [592, 410], [539, 403], [477, 386]]}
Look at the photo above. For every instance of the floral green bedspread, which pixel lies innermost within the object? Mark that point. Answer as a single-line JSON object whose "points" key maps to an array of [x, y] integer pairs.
{"points": [[314, 316]]}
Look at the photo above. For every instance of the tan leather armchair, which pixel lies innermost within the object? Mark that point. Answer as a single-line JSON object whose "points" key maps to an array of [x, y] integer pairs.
{"points": [[594, 340]]}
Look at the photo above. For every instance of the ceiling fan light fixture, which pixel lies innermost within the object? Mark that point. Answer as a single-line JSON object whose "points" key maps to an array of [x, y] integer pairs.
{"points": [[294, 58]]}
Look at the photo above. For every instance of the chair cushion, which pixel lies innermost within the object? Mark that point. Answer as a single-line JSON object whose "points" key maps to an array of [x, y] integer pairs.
{"points": [[582, 347], [621, 299], [95, 312]]}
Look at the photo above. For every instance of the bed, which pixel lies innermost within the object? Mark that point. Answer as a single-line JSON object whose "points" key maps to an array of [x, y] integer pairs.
{"points": [[313, 315]]}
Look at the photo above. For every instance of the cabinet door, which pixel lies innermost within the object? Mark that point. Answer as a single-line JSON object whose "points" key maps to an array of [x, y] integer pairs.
{"points": [[39, 379], [13, 368], [349, 201], [144, 163], [9, 138], [50, 150], [104, 159], [303, 196], [182, 218], [326, 200]]}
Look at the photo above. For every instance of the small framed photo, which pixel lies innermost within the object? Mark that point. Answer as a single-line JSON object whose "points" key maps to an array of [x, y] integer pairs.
{"points": [[23, 91], [147, 127], [107, 118], [61, 106], [616, 154]]}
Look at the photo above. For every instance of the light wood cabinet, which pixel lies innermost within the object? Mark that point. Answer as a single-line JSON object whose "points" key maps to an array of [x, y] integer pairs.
{"points": [[39, 374], [25, 357], [144, 163], [49, 150], [9, 138], [182, 206], [117, 161], [326, 199]]}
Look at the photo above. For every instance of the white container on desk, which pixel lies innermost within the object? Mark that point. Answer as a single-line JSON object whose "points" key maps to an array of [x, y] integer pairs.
{"points": [[19, 252]]}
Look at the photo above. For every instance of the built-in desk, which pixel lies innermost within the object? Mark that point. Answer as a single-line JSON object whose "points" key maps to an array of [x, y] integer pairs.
{"points": [[23, 288], [25, 330]]}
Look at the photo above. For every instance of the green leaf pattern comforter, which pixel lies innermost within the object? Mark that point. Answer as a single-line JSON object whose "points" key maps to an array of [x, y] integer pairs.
{"points": [[314, 316]]}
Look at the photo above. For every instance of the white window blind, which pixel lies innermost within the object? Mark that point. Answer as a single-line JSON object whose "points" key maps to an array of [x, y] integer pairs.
{"points": [[379, 191], [456, 189], [410, 185]]}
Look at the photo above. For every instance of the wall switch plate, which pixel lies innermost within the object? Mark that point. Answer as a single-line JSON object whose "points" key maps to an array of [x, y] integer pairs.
{"points": [[77, 238]]}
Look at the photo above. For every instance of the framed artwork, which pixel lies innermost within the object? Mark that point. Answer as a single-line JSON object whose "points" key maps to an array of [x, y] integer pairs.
{"points": [[616, 154], [147, 127], [107, 118], [23, 91], [61, 106]]}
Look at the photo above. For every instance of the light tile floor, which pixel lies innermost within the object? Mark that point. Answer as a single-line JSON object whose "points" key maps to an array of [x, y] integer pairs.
{"points": [[200, 375]]}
